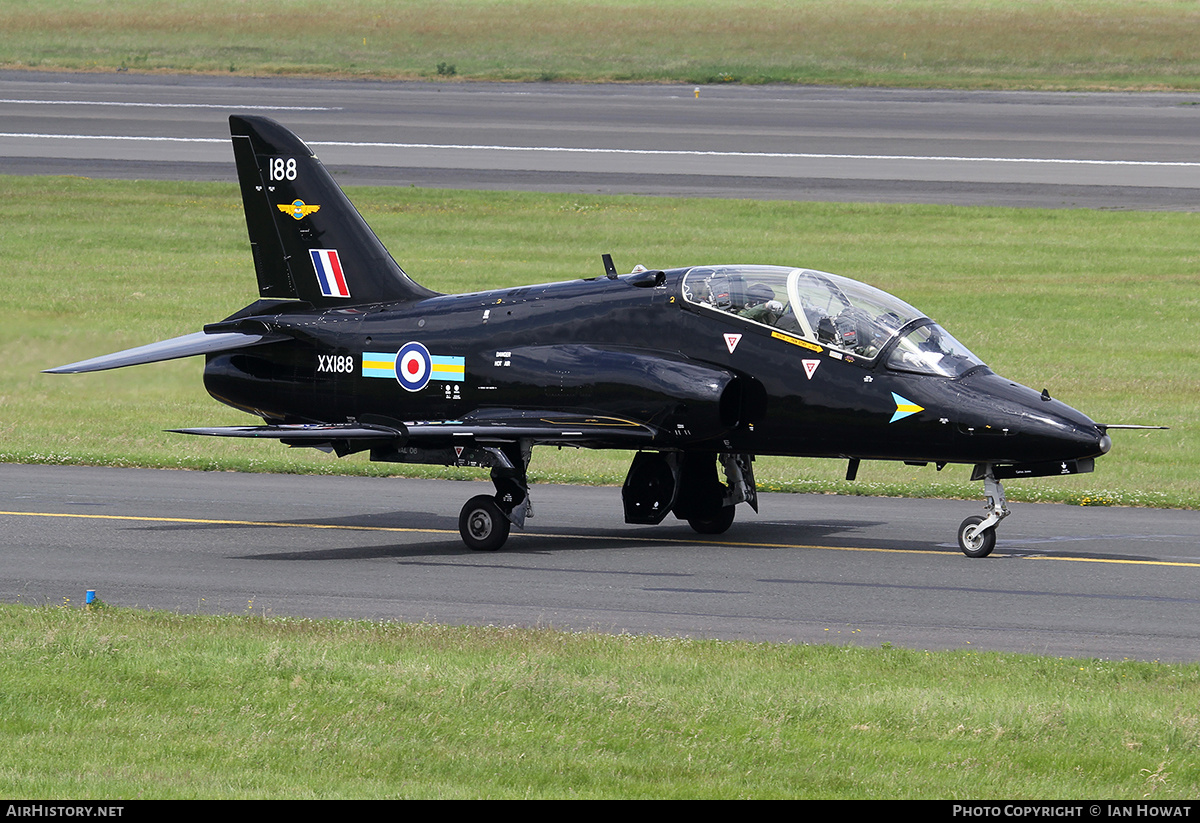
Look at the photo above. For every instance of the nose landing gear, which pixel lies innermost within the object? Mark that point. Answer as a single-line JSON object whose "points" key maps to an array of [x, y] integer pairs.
{"points": [[977, 535]]}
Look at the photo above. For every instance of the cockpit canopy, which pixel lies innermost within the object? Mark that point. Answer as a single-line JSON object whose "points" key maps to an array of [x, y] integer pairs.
{"points": [[831, 311]]}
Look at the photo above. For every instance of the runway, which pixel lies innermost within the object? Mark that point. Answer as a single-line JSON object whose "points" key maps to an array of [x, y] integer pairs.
{"points": [[1063, 581], [1124, 151]]}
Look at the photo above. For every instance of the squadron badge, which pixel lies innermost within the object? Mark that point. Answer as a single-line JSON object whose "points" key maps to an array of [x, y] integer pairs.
{"points": [[298, 209]]}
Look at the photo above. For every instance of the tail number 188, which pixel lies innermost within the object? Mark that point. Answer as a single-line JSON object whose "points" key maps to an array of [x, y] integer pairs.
{"points": [[283, 168]]}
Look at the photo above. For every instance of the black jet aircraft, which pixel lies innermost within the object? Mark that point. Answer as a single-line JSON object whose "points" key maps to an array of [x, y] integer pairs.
{"points": [[696, 370]]}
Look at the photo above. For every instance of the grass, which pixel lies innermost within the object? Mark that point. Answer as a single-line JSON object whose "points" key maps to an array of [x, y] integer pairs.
{"points": [[1043, 44], [1099, 307], [108, 703]]}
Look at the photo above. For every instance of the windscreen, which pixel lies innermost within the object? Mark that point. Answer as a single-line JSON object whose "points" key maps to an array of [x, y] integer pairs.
{"points": [[930, 349]]}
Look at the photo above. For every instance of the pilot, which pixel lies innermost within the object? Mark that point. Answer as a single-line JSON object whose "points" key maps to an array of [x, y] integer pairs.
{"points": [[761, 305]]}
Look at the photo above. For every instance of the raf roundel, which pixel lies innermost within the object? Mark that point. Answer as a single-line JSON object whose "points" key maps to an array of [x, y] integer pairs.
{"points": [[413, 366]]}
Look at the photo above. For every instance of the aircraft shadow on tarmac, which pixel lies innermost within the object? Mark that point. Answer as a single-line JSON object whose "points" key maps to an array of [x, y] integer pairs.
{"points": [[411, 539], [413, 527]]}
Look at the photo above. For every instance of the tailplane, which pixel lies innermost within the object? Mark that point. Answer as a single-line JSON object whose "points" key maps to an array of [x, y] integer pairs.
{"points": [[308, 240]]}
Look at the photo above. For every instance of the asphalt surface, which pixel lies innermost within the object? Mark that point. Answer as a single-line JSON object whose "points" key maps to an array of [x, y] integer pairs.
{"points": [[1063, 580], [1121, 151]]}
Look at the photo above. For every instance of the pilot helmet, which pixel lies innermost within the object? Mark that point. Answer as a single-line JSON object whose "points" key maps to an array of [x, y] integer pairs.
{"points": [[759, 293]]}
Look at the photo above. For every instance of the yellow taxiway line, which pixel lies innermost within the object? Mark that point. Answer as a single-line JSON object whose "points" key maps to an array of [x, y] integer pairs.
{"points": [[620, 538]]}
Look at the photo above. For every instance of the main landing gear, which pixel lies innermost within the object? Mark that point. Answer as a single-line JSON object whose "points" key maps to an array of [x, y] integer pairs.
{"points": [[687, 485], [658, 483], [485, 520], [977, 535]]}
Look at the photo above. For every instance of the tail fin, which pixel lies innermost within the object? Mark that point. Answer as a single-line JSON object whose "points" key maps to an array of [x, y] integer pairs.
{"points": [[309, 241]]}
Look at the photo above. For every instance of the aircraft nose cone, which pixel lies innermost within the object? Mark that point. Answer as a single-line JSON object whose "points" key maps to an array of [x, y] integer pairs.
{"points": [[1035, 427], [1084, 439]]}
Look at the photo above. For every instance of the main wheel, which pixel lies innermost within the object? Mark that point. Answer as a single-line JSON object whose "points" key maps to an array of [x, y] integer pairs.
{"points": [[974, 542], [483, 527], [714, 525]]}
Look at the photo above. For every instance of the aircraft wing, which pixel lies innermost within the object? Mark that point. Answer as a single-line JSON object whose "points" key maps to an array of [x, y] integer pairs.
{"points": [[489, 427], [547, 428], [185, 346]]}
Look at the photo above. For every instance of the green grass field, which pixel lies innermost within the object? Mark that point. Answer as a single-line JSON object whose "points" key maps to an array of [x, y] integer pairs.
{"points": [[1098, 307], [1045, 44], [117, 703]]}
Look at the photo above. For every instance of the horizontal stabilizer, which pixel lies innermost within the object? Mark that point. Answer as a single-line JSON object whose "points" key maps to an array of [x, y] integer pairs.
{"points": [[185, 346]]}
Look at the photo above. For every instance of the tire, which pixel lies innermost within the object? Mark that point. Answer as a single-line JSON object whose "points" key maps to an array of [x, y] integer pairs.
{"points": [[482, 525], [981, 543], [714, 525]]}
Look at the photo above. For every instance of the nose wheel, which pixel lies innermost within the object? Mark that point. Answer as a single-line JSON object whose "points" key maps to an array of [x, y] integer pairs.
{"points": [[975, 541], [977, 535]]}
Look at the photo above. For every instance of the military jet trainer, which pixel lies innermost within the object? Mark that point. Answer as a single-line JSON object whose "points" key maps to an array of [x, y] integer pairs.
{"points": [[694, 370]]}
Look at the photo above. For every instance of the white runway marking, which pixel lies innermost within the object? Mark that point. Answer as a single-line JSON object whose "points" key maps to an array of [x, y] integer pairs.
{"points": [[164, 105], [634, 152]]}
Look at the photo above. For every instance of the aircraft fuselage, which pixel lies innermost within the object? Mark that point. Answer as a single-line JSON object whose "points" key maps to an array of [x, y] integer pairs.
{"points": [[614, 349]]}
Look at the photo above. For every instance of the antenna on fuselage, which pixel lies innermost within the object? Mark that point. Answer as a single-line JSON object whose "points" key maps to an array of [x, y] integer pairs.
{"points": [[610, 271]]}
